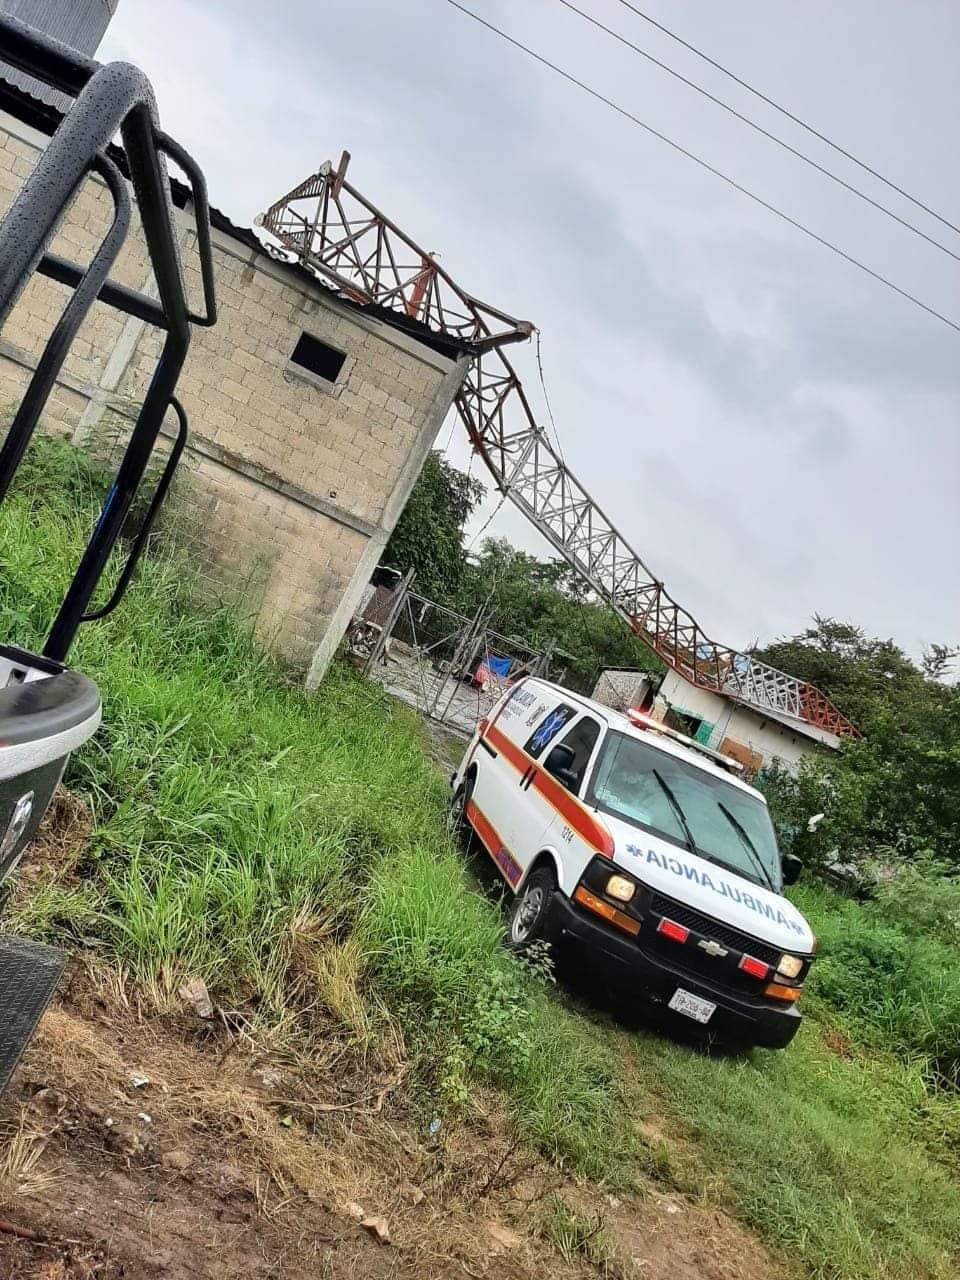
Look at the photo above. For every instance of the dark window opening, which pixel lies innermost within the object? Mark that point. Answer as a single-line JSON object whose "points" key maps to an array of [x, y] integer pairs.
{"points": [[581, 740], [317, 358], [682, 721]]}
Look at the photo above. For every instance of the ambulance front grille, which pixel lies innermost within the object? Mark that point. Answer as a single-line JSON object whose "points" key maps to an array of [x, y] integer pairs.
{"points": [[709, 928]]}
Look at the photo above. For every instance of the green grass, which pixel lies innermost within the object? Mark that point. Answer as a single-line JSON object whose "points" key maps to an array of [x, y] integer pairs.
{"points": [[244, 828], [575, 1236], [886, 981], [819, 1152]]}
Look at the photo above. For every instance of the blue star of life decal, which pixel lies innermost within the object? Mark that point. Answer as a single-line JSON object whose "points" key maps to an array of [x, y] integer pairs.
{"points": [[548, 729]]}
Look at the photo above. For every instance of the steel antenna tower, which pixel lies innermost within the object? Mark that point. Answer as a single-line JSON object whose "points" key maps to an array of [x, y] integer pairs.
{"points": [[331, 228]]}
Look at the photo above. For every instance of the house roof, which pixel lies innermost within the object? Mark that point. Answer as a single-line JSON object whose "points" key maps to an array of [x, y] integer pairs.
{"points": [[45, 118], [793, 723]]}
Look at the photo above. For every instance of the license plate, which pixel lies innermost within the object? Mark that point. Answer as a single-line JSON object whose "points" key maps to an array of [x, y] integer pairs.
{"points": [[691, 1006]]}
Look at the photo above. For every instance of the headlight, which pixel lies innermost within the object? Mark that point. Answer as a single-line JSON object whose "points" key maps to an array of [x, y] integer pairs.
{"points": [[790, 966], [621, 888]]}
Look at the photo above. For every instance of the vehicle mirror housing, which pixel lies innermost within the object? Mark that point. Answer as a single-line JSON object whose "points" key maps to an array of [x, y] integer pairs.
{"points": [[791, 866], [559, 764]]}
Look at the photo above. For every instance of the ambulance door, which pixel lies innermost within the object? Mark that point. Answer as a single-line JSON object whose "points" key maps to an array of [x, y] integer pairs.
{"points": [[547, 797], [501, 764]]}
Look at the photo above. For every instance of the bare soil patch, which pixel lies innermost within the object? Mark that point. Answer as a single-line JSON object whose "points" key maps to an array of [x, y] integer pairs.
{"points": [[136, 1144], [149, 1147]]}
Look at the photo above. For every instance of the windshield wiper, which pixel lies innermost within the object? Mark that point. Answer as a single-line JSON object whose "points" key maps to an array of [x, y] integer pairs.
{"points": [[680, 815], [747, 843]]}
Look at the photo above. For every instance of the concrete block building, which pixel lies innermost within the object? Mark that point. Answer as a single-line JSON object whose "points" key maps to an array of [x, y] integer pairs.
{"points": [[310, 417]]}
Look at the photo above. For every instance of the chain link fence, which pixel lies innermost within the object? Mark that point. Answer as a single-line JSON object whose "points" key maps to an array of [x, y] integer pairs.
{"points": [[447, 666]]}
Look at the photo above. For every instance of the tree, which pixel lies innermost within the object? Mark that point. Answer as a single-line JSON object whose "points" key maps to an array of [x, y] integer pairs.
{"points": [[428, 537], [895, 789], [543, 601], [938, 661], [533, 601]]}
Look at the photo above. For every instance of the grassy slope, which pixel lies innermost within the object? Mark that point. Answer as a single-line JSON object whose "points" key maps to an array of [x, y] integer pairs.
{"points": [[818, 1153], [244, 830]]}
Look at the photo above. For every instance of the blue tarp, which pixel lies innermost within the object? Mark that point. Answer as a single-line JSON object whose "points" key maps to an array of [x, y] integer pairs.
{"points": [[499, 666]]}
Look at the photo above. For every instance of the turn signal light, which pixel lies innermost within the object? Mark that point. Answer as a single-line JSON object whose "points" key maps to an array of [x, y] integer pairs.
{"points": [[756, 968], [670, 929], [609, 913], [782, 993]]}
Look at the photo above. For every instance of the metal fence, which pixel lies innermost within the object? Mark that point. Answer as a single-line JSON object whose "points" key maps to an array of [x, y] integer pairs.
{"points": [[447, 666]]}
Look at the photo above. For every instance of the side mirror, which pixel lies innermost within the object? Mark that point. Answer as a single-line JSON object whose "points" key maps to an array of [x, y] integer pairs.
{"points": [[791, 866], [559, 763]]}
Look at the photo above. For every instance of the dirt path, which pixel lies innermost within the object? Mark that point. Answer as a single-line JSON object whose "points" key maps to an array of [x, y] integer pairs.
{"points": [[138, 1146]]}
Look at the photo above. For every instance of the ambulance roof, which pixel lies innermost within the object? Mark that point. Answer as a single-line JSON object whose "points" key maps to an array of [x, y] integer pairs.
{"points": [[660, 741]]}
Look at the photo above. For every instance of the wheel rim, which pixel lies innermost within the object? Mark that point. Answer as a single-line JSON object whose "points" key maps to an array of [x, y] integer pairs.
{"points": [[526, 915]]}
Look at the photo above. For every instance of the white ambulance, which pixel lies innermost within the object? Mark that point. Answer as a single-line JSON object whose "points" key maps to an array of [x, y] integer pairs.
{"points": [[646, 852]]}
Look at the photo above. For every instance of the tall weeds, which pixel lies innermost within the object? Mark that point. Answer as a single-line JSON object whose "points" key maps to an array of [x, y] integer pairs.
{"points": [[243, 828]]}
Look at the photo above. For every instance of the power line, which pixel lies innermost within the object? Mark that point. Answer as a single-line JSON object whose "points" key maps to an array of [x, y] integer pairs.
{"points": [[450, 436], [587, 629], [752, 124], [546, 401], [486, 524], [705, 164], [789, 114]]}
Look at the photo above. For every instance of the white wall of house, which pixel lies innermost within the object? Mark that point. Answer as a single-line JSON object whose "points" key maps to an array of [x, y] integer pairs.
{"points": [[768, 737]]}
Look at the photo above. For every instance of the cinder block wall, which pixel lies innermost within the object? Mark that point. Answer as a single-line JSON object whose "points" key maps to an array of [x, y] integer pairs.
{"points": [[296, 482]]}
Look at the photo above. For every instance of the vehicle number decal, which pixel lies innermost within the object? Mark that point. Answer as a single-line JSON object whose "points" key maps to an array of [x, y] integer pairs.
{"points": [[567, 834]]}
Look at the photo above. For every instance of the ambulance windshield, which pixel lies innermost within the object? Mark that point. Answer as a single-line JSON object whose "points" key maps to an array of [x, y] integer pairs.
{"points": [[690, 807]]}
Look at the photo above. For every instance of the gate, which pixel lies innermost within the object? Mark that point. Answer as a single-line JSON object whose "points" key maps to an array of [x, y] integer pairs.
{"points": [[447, 666]]}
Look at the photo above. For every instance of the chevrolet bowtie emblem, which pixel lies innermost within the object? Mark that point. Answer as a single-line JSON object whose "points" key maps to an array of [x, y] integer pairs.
{"points": [[712, 948]]}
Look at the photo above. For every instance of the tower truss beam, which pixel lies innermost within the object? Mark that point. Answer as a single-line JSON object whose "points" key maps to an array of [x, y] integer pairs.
{"points": [[328, 226]]}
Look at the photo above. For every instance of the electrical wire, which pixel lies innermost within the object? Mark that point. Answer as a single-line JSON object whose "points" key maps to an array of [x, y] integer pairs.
{"points": [[486, 524], [587, 629], [788, 114], [546, 400], [705, 164], [453, 426], [752, 124]]}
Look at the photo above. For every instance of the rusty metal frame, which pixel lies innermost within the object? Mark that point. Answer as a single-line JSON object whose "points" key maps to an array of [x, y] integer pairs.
{"points": [[328, 226]]}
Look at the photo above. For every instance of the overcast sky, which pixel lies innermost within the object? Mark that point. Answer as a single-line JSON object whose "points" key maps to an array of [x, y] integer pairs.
{"points": [[775, 433]]}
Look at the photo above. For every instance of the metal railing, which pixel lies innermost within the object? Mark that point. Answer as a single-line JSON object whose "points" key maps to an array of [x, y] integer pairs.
{"points": [[446, 665], [108, 98]]}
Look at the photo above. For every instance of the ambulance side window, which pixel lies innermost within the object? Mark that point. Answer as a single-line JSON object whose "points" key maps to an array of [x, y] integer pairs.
{"points": [[581, 739], [547, 729]]}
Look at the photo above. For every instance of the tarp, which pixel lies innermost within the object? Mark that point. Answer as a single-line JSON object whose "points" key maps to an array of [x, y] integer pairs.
{"points": [[499, 666], [492, 671]]}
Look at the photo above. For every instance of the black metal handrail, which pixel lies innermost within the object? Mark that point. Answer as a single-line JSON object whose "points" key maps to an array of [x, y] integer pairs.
{"points": [[86, 289], [108, 98], [146, 524]]}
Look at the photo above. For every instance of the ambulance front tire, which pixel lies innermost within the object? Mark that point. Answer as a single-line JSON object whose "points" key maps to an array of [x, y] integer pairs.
{"points": [[531, 910]]}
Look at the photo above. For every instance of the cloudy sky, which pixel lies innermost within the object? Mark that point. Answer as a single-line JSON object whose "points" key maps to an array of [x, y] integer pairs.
{"points": [[776, 433]]}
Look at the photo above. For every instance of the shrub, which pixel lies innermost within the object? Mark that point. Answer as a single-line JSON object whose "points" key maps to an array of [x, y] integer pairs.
{"points": [[923, 896], [893, 987]]}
